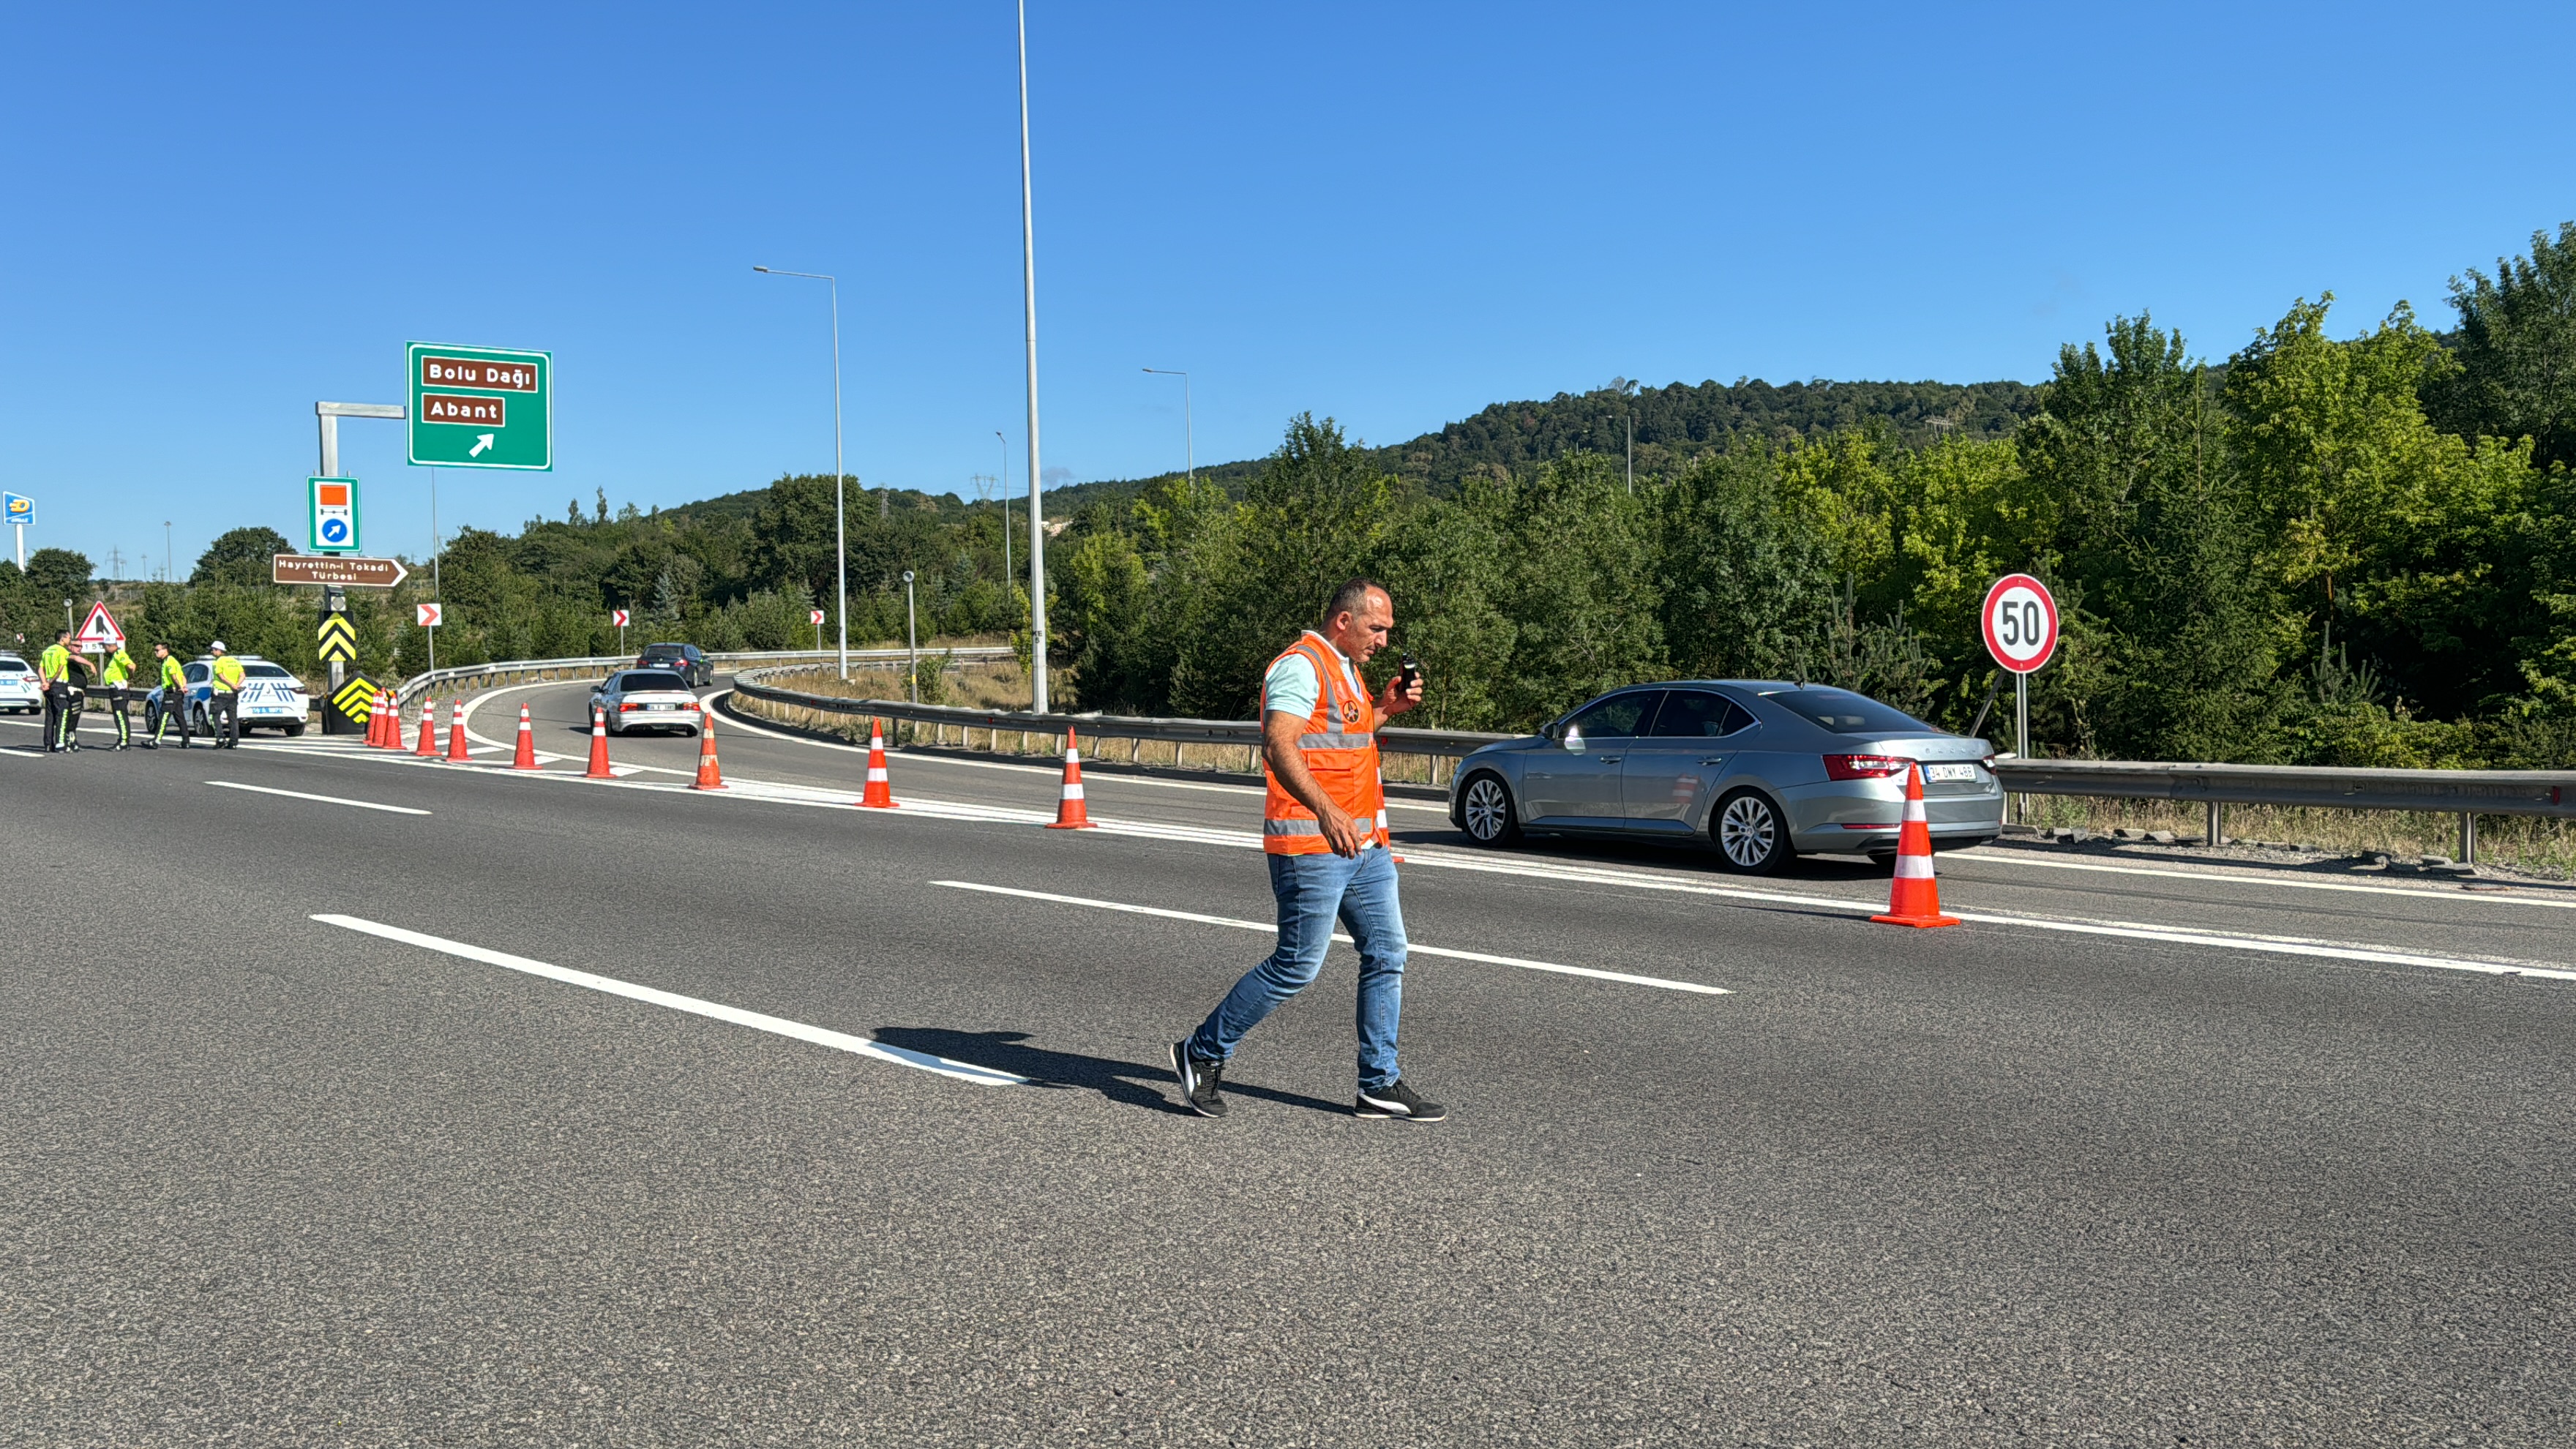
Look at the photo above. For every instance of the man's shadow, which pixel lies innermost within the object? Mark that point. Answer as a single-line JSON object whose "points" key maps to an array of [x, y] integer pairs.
{"points": [[1128, 1083]]}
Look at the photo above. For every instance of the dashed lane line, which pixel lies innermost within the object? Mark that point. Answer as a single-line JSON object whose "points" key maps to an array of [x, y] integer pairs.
{"points": [[325, 799], [712, 1010], [1267, 928]]}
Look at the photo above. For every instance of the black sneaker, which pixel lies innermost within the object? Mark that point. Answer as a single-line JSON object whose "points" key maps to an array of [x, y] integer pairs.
{"points": [[1198, 1080], [1395, 1099]]}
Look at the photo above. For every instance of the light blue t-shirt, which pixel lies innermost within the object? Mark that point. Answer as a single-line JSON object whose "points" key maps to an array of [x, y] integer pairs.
{"points": [[1291, 686]]}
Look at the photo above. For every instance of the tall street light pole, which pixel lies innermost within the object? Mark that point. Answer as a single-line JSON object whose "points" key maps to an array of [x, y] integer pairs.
{"points": [[1029, 291], [840, 480], [1189, 429]]}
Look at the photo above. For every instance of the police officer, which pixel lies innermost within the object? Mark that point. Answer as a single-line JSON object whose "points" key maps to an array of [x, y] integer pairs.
{"points": [[173, 703], [112, 676], [54, 672], [224, 704]]}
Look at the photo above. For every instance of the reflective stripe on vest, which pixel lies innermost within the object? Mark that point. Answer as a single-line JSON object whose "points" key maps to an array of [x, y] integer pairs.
{"points": [[1340, 749]]}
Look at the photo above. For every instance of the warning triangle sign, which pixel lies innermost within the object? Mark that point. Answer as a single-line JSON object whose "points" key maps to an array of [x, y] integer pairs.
{"points": [[98, 633]]}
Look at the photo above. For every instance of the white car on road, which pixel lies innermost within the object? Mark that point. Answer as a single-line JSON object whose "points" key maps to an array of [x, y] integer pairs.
{"points": [[19, 692], [271, 698], [649, 699]]}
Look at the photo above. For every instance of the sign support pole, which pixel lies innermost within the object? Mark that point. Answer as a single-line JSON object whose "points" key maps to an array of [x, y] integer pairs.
{"points": [[335, 601], [2021, 730], [22, 548]]}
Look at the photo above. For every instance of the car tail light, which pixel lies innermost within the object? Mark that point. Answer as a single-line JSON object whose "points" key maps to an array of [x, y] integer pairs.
{"points": [[1864, 767], [623, 708], [692, 704]]}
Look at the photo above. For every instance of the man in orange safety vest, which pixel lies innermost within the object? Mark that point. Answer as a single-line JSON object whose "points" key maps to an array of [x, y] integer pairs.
{"points": [[1324, 836]]}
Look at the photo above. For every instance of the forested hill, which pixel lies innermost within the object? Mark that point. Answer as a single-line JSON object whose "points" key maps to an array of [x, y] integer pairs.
{"points": [[1674, 424]]}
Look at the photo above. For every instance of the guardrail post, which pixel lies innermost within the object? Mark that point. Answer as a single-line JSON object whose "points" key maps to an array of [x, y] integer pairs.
{"points": [[2468, 839], [2217, 825]]}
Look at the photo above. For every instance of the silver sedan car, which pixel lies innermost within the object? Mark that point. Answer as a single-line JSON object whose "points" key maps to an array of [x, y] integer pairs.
{"points": [[1763, 769], [637, 699]]}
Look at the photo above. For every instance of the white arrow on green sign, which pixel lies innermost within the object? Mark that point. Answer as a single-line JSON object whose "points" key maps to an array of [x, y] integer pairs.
{"points": [[481, 407]]}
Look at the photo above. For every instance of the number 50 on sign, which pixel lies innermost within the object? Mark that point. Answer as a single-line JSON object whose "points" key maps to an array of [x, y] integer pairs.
{"points": [[2020, 619]]}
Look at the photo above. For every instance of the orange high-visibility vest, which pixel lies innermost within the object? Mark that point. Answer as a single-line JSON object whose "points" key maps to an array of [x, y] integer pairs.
{"points": [[1340, 747]]}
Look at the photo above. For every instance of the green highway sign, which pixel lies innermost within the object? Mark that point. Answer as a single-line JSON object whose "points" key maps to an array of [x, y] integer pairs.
{"points": [[481, 407]]}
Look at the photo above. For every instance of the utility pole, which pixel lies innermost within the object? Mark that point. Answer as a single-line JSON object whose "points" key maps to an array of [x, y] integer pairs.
{"points": [[1632, 455], [1029, 293], [1006, 505], [1189, 429]]}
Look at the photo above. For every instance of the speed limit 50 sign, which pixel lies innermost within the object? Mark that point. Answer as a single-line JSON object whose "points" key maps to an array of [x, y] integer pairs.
{"points": [[2020, 620]]}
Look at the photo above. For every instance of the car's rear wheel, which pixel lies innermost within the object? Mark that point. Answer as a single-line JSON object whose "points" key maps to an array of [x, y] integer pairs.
{"points": [[1751, 837], [1485, 808]]}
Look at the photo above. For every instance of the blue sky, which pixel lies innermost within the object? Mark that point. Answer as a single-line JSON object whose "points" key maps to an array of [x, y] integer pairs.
{"points": [[1393, 214]]}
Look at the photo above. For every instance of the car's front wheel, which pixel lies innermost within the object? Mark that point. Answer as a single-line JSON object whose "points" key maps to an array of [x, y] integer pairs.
{"points": [[1751, 837], [1485, 808]]}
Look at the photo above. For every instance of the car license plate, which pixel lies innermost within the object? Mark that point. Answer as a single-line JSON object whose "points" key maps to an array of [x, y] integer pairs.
{"points": [[657, 706], [1938, 773]]}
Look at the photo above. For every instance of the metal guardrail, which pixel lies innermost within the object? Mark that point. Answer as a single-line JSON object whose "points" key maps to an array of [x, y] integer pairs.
{"points": [[1445, 743], [2549, 793], [485, 675], [2468, 794]]}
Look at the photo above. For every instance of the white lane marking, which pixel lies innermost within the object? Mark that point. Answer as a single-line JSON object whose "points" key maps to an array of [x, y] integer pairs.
{"points": [[1266, 928], [325, 799], [2356, 887], [1053, 771], [716, 1011], [2133, 930]]}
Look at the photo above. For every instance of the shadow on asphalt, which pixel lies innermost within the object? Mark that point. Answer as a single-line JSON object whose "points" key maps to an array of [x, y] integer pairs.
{"points": [[1127, 1083]]}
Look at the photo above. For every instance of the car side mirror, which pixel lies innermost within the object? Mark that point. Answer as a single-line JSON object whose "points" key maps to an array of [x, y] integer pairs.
{"points": [[1573, 739]]}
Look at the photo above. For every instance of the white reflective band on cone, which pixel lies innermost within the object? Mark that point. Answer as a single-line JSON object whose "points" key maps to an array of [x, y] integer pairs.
{"points": [[1914, 867]]}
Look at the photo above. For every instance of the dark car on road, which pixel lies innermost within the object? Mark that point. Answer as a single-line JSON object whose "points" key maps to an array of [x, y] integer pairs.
{"points": [[684, 660], [1763, 770]]}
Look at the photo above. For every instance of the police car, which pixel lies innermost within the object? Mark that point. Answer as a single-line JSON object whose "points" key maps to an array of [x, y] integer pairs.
{"points": [[271, 698], [19, 692]]}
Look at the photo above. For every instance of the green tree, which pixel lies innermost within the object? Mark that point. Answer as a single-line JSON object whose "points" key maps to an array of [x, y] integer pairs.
{"points": [[56, 574], [240, 557], [1319, 514], [2413, 546], [2517, 352], [2171, 644], [1747, 581]]}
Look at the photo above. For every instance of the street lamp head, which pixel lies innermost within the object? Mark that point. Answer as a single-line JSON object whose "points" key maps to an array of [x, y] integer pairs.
{"points": [[760, 269]]}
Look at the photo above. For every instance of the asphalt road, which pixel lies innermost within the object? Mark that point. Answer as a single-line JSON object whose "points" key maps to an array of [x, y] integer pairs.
{"points": [[2098, 1167]]}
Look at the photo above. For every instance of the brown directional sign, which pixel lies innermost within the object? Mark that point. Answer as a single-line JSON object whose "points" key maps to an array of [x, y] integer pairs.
{"points": [[345, 570]]}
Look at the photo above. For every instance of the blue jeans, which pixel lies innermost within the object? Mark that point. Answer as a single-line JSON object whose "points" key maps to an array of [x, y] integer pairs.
{"points": [[1313, 891]]}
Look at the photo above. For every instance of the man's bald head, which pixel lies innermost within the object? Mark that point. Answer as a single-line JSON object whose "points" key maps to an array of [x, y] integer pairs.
{"points": [[1358, 618]]}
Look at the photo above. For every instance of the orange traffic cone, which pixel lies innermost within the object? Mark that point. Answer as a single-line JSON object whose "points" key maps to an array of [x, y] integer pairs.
{"points": [[1914, 899], [383, 723], [526, 758], [1069, 814], [599, 747], [880, 791], [428, 730], [456, 752], [709, 777]]}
